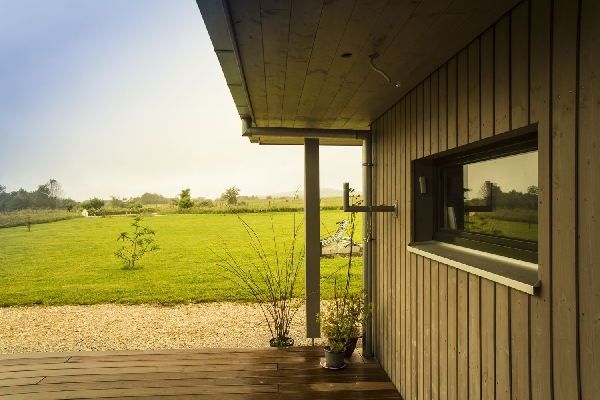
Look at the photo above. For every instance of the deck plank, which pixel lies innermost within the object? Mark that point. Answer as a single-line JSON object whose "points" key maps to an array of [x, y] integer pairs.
{"points": [[225, 373]]}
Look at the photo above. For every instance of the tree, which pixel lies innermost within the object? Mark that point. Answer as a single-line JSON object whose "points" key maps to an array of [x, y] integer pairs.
{"points": [[153, 198], [93, 204], [231, 195], [115, 202], [139, 241], [55, 191], [185, 200]]}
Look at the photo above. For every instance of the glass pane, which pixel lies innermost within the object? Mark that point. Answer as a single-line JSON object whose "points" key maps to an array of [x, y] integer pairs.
{"points": [[495, 197]]}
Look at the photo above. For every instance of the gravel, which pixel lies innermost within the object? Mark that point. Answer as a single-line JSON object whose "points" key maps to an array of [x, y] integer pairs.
{"points": [[142, 327]]}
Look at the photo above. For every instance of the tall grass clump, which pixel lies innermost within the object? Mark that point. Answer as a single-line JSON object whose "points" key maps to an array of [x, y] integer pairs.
{"points": [[269, 275]]}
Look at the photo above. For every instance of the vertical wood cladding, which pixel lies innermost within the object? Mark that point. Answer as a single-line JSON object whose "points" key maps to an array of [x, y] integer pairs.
{"points": [[442, 333]]}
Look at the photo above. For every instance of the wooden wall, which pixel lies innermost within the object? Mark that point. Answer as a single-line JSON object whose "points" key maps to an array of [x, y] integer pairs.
{"points": [[442, 333]]}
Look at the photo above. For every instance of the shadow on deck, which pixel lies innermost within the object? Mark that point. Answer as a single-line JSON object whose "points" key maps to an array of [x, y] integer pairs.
{"points": [[268, 373]]}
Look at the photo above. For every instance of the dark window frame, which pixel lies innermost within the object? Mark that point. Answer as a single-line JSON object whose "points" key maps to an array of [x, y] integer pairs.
{"points": [[428, 213]]}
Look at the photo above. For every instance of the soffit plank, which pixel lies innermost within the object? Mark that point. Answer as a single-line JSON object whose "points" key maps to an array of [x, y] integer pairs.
{"points": [[304, 21], [291, 73], [422, 19], [474, 25], [356, 34], [334, 19], [275, 46], [392, 20], [245, 15]]}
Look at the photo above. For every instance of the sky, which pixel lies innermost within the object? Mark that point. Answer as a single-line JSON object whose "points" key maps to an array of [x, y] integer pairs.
{"points": [[119, 98]]}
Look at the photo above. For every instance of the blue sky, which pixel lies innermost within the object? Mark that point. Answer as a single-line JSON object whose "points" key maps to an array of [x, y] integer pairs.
{"points": [[118, 98]]}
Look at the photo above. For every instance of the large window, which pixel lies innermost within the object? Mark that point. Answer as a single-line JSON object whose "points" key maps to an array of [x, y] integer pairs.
{"points": [[486, 199]]}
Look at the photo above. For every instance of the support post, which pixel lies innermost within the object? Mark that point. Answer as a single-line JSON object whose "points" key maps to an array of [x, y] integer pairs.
{"points": [[367, 242], [312, 225]]}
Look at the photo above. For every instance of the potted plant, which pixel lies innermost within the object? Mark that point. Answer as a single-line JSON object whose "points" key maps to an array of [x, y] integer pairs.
{"points": [[341, 323], [343, 320], [269, 280]]}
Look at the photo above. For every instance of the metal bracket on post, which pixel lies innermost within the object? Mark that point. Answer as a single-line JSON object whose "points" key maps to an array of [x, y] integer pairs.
{"points": [[381, 208]]}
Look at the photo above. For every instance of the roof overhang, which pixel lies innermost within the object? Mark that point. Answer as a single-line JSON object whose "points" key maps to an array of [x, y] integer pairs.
{"points": [[308, 65]]}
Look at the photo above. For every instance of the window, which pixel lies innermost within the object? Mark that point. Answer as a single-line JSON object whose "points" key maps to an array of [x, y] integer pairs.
{"points": [[487, 200], [475, 207]]}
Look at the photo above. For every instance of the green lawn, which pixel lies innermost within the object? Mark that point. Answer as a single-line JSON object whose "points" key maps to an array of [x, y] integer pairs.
{"points": [[72, 262]]}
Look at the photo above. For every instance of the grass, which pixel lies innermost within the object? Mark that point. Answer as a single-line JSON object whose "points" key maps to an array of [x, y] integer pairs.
{"points": [[72, 261]]}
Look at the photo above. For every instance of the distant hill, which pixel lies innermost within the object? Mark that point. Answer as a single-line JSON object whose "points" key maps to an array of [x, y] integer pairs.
{"points": [[325, 192]]}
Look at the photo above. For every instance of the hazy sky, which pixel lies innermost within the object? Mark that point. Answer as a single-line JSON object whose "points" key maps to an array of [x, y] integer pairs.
{"points": [[121, 97]]}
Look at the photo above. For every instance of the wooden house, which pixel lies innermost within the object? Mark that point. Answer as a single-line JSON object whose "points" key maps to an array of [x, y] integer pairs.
{"points": [[433, 89]]}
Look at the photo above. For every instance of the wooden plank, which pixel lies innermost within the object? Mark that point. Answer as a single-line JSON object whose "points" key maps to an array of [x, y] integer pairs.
{"points": [[414, 327], [250, 47], [427, 356], [404, 218], [411, 314], [435, 101], [334, 16], [502, 75], [474, 94], [304, 21], [374, 90], [362, 20], [503, 355], [540, 60], [275, 45], [462, 97], [488, 339], [474, 337], [487, 83], [390, 235], [519, 315], [392, 20], [420, 121], [564, 193], [443, 108], [468, 28], [427, 117], [463, 335], [519, 71], [399, 258], [452, 103], [420, 326], [443, 330], [387, 262], [452, 334], [589, 203], [414, 124], [435, 346], [378, 245]]}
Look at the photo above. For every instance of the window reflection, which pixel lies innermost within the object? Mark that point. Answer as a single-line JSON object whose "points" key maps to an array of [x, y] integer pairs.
{"points": [[496, 197]]}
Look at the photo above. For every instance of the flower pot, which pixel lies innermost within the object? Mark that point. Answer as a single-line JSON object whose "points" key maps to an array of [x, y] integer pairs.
{"points": [[350, 347], [334, 360], [286, 342]]}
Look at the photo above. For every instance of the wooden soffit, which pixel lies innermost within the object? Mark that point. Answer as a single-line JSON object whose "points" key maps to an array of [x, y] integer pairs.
{"points": [[306, 64]]}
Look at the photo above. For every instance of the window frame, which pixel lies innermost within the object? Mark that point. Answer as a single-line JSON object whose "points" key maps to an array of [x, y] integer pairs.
{"points": [[521, 249]]}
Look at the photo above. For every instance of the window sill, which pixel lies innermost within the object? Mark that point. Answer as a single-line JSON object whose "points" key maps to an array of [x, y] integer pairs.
{"points": [[513, 273]]}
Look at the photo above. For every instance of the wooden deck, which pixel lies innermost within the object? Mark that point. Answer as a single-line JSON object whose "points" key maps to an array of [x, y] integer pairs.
{"points": [[267, 373]]}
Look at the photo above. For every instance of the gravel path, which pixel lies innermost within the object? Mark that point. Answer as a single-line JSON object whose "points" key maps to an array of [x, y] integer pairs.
{"points": [[143, 327]]}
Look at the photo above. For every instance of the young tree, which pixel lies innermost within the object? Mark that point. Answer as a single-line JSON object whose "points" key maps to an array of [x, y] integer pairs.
{"points": [[139, 241], [230, 195], [185, 200]]}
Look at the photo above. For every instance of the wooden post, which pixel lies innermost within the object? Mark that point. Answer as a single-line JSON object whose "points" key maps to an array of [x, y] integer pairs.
{"points": [[312, 235]]}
